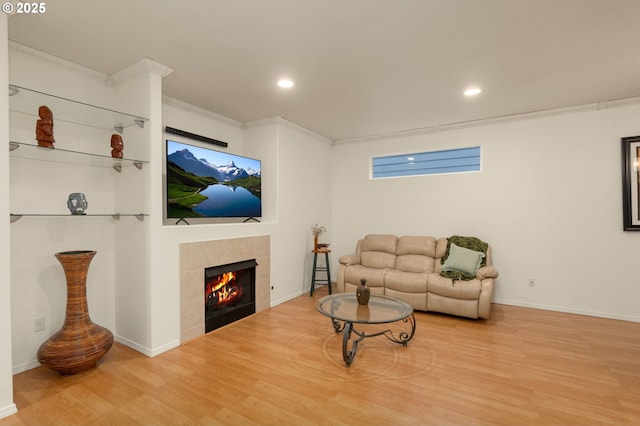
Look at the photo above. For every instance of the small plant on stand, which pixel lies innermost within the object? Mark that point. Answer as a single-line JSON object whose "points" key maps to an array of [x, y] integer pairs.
{"points": [[316, 231]]}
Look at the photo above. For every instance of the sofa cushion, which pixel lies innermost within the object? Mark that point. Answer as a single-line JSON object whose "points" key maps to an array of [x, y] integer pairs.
{"points": [[425, 246], [441, 250], [447, 287], [415, 263], [406, 282], [378, 251], [377, 259], [376, 242], [416, 254], [374, 276], [471, 243], [462, 260], [417, 300]]}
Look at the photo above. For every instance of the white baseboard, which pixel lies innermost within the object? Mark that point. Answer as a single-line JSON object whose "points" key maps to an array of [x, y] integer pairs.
{"points": [[133, 345], [165, 348], [286, 299], [569, 310], [26, 366], [144, 350], [8, 410]]}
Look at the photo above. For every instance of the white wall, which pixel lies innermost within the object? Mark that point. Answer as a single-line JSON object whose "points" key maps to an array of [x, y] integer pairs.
{"points": [[7, 406], [38, 285], [548, 200], [138, 264], [304, 198], [290, 206], [135, 87]]}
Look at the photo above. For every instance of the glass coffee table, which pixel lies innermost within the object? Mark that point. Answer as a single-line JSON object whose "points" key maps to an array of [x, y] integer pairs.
{"points": [[344, 311]]}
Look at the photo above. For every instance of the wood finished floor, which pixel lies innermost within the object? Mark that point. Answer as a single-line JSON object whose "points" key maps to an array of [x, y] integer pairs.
{"points": [[284, 366]]}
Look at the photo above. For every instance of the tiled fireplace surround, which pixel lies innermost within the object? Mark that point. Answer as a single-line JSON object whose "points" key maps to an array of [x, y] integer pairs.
{"points": [[196, 256]]}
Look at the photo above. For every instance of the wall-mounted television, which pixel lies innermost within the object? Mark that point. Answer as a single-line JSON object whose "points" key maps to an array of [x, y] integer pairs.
{"points": [[206, 183]]}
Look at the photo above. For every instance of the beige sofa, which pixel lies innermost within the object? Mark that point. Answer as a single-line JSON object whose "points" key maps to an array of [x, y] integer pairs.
{"points": [[409, 267]]}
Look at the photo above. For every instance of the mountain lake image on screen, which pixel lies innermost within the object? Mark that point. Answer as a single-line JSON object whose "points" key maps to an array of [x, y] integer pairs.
{"points": [[206, 183]]}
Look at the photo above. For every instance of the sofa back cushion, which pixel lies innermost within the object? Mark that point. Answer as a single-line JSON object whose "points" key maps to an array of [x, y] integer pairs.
{"points": [[441, 250], [378, 251], [416, 254]]}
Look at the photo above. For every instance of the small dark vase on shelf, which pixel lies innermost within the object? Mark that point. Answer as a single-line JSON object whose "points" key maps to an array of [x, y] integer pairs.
{"points": [[363, 293], [80, 343]]}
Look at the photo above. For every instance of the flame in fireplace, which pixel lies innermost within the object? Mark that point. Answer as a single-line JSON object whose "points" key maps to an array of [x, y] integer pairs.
{"points": [[224, 279], [223, 289]]}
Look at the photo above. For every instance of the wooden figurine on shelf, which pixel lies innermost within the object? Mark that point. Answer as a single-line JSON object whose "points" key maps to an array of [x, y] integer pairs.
{"points": [[44, 127], [116, 146]]}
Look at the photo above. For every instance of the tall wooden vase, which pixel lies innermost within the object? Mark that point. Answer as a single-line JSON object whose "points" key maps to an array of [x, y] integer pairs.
{"points": [[80, 343]]}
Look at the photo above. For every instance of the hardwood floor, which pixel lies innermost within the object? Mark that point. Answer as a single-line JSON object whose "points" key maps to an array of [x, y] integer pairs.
{"points": [[284, 366]]}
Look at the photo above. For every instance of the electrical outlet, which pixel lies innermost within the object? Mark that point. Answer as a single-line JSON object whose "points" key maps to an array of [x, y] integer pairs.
{"points": [[39, 324], [532, 282]]}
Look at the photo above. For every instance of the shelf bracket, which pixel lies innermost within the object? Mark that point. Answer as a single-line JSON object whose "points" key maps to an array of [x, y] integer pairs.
{"points": [[118, 128], [140, 217], [138, 164], [13, 146], [13, 90], [117, 167], [116, 216], [14, 217], [140, 123]]}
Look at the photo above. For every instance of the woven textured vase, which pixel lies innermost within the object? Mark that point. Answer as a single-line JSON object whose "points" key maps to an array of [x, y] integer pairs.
{"points": [[80, 343]]}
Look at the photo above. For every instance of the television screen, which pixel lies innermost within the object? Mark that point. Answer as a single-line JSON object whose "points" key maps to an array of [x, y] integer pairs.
{"points": [[202, 182]]}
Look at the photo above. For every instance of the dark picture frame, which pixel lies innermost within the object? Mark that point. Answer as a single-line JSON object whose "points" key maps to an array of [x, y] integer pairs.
{"points": [[631, 183]]}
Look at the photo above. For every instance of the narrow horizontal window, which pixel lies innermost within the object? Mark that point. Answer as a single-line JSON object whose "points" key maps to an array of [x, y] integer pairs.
{"points": [[427, 163]]}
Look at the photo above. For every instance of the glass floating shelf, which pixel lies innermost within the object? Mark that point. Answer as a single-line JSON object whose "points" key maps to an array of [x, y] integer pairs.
{"points": [[59, 155], [15, 217], [28, 101]]}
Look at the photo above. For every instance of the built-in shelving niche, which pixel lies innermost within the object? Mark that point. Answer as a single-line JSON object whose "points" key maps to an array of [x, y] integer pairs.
{"points": [[25, 101]]}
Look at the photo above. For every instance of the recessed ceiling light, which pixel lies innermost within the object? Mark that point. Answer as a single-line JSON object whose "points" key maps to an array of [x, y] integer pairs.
{"points": [[472, 92], [285, 83]]}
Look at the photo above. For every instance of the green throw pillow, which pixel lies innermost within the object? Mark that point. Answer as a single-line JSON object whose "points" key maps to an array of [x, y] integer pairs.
{"points": [[462, 260]]}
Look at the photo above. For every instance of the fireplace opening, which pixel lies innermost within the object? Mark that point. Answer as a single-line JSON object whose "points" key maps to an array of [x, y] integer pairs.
{"points": [[229, 293]]}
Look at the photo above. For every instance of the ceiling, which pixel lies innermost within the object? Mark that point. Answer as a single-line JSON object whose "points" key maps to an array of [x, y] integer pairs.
{"points": [[361, 67]]}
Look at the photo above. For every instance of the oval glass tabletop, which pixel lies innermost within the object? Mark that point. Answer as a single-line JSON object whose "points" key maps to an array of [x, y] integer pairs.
{"points": [[380, 309]]}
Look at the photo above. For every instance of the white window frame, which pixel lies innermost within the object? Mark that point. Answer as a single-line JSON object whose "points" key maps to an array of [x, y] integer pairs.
{"points": [[461, 160]]}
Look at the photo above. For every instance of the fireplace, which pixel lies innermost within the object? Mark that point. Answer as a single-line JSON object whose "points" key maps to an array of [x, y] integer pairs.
{"points": [[229, 293], [196, 256]]}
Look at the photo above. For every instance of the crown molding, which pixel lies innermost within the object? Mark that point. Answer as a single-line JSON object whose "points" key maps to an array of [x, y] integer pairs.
{"points": [[143, 66], [201, 112], [47, 57], [286, 123], [262, 122], [618, 103]]}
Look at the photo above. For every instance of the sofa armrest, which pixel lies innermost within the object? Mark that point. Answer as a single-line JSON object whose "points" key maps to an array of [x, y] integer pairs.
{"points": [[349, 259], [486, 297], [487, 272]]}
